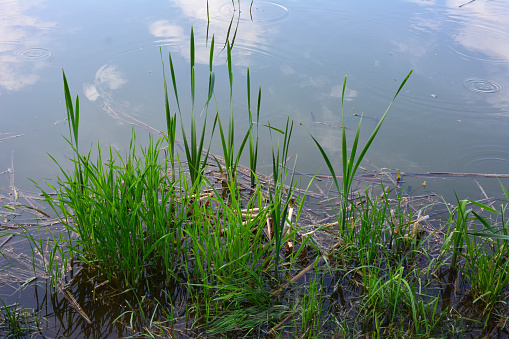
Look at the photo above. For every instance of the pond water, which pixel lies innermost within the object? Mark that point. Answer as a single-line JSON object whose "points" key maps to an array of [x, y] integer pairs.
{"points": [[452, 115]]}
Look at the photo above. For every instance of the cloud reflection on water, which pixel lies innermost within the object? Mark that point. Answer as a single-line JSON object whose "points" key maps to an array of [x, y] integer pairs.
{"points": [[20, 31], [225, 18], [108, 78]]}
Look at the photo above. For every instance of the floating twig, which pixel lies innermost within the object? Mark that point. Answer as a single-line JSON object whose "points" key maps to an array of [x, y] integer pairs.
{"points": [[6, 240]]}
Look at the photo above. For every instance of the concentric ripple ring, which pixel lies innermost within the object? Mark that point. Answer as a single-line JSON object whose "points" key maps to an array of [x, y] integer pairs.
{"points": [[34, 54], [482, 86]]}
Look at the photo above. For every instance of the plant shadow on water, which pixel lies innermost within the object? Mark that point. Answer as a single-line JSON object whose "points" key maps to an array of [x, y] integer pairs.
{"points": [[155, 246]]}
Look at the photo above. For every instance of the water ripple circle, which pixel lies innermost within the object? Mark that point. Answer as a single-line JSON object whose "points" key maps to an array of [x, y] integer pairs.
{"points": [[482, 86], [34, 54], [260, 11]]}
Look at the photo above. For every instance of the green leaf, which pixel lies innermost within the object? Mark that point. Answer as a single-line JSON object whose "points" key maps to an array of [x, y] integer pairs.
{"points": [[484, 207]]}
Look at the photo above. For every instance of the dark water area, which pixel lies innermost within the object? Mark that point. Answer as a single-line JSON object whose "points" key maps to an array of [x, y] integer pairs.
{"points": [[451, 117]]}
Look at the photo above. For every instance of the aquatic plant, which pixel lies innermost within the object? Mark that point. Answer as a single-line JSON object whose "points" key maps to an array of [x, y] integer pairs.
{"points": [[16, 322], [350, 164], [484, 249], [228, 140], [253, 140], [235, 248], [195, 148]]}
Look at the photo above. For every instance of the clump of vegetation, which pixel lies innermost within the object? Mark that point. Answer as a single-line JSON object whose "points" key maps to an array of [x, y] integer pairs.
{"points": [[187, 238], [16, 322]]}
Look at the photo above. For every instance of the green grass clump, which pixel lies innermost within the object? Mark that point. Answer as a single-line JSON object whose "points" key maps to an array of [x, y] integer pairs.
{"points": [[123, 209], [16, 322], [125, 212], [480, 250], [135, 213], [149, 214], [130, 215], [350, 163]]}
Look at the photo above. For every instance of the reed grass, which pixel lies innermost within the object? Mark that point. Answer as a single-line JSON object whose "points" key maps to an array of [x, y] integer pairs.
{"points": [[195, 147], [280, 199], [227, 256], [253, 140], [53, 252], [484, 249], [124, 213], [171, 123], [350, 163], [16, 322], [131, 214], [311, 307], [228, 140]]}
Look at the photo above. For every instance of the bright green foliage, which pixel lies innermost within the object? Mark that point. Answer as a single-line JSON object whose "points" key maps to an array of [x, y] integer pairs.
{"points": [[125, 213], [279, 198], [195, 147], [350, 164], [228, 141], [485, 249], [171, 122], [130, 215], [16, 322], [253, 140]]}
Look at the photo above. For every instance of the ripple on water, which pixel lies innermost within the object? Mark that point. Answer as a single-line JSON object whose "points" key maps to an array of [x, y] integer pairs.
{"points": [[482, 86], [34, 54], [480, 32], [259, 11], [493, 157]]}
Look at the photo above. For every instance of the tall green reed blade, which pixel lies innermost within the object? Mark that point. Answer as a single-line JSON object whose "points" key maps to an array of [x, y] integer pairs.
{"points": [[212, 76], [352, 169], [73, 116], [174, 81], [73, 119], [208, 24], [460, 233], [231, 125], [171, 123], [279, 199], [253, 145], [194, 149], [349, 163], [228, 141], [192, 58]]}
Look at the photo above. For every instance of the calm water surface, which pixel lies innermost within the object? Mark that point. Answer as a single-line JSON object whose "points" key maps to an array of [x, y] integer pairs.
{"points": [[453, 115]]}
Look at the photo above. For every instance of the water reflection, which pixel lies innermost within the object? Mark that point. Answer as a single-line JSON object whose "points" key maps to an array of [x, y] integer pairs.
{"points": [[476, 29], [107, 79], [239, 23], [21, 38], [482, 33]]}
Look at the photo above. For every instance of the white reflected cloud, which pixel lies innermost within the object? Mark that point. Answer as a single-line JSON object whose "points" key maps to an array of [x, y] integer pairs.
{"points": [[11, 74], [480, 27], [20, 31], [108, 76], [90, 92], [253, 40], [478, 32], [484, 28], [401, 47]]}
